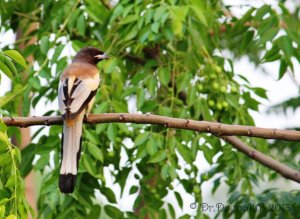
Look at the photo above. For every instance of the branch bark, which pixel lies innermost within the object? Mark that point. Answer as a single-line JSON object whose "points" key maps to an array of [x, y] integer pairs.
{"points": [[199, 126], [265, 160], [220, 130]]}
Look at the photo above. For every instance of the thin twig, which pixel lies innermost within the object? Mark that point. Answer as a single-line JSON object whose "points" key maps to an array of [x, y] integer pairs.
{"points": [[265, 160], [28, 16]]}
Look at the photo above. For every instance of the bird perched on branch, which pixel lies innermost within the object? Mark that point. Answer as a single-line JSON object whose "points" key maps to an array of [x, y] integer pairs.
{"points": [[76, 93]]}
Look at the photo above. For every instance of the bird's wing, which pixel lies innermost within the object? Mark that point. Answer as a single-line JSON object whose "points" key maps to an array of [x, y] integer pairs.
{"points": [[74, 94]]}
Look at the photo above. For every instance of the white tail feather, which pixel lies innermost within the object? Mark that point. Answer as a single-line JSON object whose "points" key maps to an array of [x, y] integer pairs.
{"points": [[71, 145]]}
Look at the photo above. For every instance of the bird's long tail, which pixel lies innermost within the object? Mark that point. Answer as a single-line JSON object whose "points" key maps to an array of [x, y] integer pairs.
{"points": [[70, 153]]}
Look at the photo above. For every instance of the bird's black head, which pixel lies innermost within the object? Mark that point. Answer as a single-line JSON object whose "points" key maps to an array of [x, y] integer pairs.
{"points": [[90, 55]]}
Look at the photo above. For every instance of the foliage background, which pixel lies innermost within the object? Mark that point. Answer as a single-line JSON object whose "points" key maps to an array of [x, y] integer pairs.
{"points": [[173, 58]]}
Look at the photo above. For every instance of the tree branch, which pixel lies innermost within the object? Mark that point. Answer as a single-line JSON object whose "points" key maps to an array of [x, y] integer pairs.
{"points": [[220, 130], [265, 160], [199, 126], [135, 59]]}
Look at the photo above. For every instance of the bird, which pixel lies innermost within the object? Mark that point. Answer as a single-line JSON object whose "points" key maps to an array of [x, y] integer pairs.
{"points": [[77, 88]]}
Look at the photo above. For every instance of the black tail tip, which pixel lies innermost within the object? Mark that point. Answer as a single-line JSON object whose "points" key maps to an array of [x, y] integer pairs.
{"points": [[67, 183]]}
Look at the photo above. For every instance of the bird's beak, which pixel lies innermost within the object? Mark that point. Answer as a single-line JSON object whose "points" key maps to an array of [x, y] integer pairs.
{"points": [[103, 56]]}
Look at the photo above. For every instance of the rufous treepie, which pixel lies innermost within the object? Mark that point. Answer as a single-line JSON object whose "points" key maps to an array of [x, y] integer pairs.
{"points": [[76, 93]]}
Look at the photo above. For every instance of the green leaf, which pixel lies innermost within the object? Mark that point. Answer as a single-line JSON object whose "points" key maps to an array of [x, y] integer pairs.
{"points": [[138, 77], [111, 131], [141, 153], [102, 108], [129, 19], [123, 128], [179, 199], [205, 111], [91, 136], [158, 157], [112, 211], [7, 66], [119, 107], [80, 25], [172, 172], [233, 101], [95, 151], [151, 85], [96, 10], [77, 44], [159, 11], [262, 11], [12, 95], [95, 212], [144, 33], [151, 146], [217, 183], [3, 127], [5, 159], [178, 16], [42, 162], [2, 211], [272, 54], [11, 182], [122, 176], [168, 34], [132, 33], [198, 108], [149, 106], [285, 44], [164, 171], [4, 144], [208, 153], [45, 43], [109, 194], [140, 96], [162, 213], [182, 81], [185, 153], [133, 190], [57, 52], [171, 211], [155, 27], [200, 13], [282, 69], [110, 65], [28, 154], [141, 138], [191, 95], [5, 69], [151, 63], [35, 82], [261, 92], [165, 111], [251, 103], [11, 216], [164, 76], [16, 56], [269, 35], [137, 202], [89, 165], [186, 216], [247, 37]]}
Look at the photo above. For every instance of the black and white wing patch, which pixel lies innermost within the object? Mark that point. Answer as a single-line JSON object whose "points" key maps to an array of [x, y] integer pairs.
{"points": [[74, 97]]}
